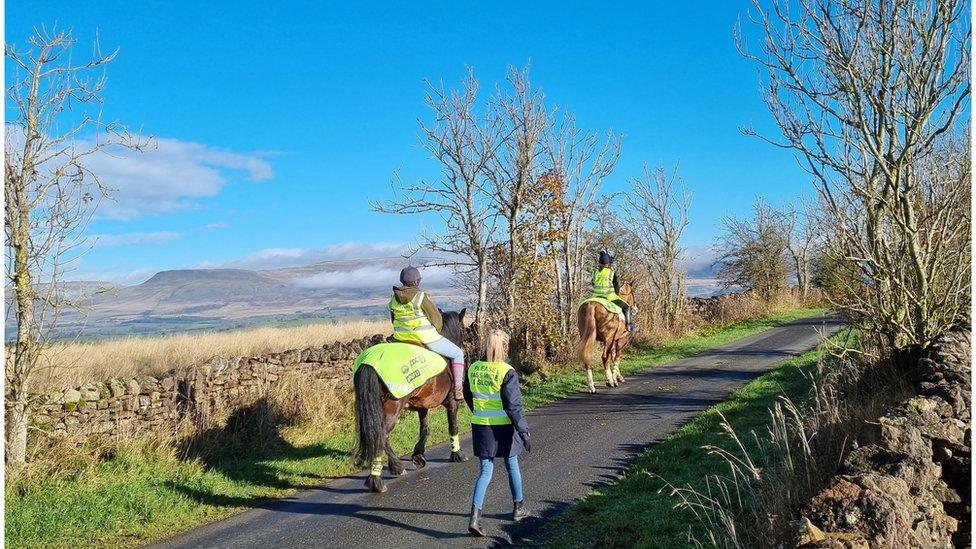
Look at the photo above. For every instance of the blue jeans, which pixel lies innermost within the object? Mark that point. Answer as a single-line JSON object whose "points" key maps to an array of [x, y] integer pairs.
{"points": [[487, 467], [446, 348]]}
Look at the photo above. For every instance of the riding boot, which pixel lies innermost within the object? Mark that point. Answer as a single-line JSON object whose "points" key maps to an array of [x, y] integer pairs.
{"points": [[474, 526], [519, 512], [457, 369], [629, 320]]}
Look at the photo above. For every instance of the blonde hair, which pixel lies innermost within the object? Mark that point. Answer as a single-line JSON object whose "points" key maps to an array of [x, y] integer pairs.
{"points": [[496, 346]]}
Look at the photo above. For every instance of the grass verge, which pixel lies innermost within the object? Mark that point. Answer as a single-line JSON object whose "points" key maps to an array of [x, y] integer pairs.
{"points": [[637, 510], [145, 492]]}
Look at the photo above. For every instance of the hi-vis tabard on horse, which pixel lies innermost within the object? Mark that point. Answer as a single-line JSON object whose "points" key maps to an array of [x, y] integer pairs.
{"points": [[402, 367], [485, 379], [610, 305]]}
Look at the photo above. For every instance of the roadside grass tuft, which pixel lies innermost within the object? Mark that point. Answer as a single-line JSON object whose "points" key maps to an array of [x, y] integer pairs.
{"points": [[149, 490]]}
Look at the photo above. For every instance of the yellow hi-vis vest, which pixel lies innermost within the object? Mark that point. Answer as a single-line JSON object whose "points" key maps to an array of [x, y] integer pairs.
{"points": [[410, 323], [603, 284], [485, 379]]}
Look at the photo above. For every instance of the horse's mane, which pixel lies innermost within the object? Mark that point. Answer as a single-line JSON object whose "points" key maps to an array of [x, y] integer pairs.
{"points": [[453, 328]]}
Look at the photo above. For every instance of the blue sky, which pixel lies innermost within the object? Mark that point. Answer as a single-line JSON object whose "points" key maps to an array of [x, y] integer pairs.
{"points": [[276, 123]]}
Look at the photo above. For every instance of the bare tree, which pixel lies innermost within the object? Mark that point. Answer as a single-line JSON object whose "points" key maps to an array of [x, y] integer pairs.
{"points": [[579, 163], [464, 146], [805, 233], [868, 94], [50, 197], [753, 251], [514, 173], [656, 211]]}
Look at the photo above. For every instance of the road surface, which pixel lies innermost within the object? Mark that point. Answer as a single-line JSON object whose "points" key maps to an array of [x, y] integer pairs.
{"points": [[579, 443]]}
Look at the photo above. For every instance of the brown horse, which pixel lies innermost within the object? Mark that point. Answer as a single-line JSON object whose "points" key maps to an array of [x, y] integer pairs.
{"points": [[598, 324], [377, 413]]}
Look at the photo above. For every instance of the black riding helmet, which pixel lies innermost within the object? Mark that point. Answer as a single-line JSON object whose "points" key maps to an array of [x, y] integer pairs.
{"points": [[410, 276], [606, 258]]}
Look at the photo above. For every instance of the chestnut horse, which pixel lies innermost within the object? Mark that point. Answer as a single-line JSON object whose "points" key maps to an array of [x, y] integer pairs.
{"points": [[596, 323], [377, 412]]}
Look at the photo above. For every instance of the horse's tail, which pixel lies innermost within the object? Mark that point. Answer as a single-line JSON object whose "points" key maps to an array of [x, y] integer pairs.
{"points": [[370, 428], [587, 329]]}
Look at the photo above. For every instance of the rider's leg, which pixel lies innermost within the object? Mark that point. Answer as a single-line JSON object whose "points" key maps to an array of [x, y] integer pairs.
{"points": [[445, 347], [626, 309]]}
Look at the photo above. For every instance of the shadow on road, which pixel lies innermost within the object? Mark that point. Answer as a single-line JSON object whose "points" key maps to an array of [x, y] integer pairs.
{"points": [[349, 510]]}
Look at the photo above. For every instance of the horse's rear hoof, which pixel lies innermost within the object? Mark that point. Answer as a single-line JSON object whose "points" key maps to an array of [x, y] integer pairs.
{"points": [[458, 457], [375, 484], [419, 460], [591, 390]]}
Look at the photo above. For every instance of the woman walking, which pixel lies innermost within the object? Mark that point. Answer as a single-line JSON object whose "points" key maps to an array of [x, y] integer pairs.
{"points": [[498, 427]]}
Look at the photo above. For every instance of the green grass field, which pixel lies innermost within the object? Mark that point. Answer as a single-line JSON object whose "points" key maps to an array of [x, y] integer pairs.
{"points": [[637, 510], [144, 493]]}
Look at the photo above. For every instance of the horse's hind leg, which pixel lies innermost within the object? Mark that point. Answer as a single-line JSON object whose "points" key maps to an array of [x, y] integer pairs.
{"points": [[418, 451], [374, 482], [452, 405], [607, 367], [616, 364], [392, 460], [589, 379]]}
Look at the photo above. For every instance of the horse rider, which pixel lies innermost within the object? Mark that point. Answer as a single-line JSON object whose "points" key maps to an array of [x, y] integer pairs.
{"points": [[606, 285], [417, 320], [498, 425]]}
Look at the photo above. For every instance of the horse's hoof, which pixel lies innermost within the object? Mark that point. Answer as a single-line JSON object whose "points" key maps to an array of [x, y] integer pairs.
{"points": [[610, 384], [591, 390], [375, 484], [458, 457], [419, 460]]}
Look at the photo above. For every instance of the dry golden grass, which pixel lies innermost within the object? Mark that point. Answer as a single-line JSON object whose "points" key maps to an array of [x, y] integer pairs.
{"points": [[73, 364]]}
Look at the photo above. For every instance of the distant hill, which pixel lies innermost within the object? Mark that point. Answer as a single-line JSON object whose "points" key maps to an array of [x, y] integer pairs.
{"points": [[219, 299], [195, 299]]}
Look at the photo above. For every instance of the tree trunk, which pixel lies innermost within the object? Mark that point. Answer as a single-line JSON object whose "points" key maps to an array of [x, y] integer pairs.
{"points": [[25, 350], [16, 433], [479, 313]]}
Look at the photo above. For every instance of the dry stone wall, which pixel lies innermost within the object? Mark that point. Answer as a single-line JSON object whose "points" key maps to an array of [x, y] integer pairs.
{"points": [[148, 405], [907, 484]]}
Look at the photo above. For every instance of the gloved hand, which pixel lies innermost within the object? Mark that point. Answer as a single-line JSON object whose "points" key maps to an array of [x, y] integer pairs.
{"points": [[526, 441]]}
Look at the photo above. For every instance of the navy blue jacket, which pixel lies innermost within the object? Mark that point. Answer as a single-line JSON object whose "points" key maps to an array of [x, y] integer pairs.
{"points": [[492, 441]]}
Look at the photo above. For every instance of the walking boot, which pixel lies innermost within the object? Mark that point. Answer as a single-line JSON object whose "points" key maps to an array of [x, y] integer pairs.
{"points": [[474, 526], [519, 512]]}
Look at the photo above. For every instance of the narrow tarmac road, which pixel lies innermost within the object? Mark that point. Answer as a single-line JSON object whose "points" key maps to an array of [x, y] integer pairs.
{"points": [[579, 443]]}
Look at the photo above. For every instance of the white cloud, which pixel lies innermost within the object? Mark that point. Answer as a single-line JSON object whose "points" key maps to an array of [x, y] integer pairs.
{"points": [[276, 258], [166, 176], [170, 175], [370, 277], [154, 237], [698, 261], [157, 237]]}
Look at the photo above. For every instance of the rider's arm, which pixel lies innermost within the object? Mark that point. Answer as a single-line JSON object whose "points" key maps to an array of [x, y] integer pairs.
{"points": [[433, 313], [512, 402]]}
